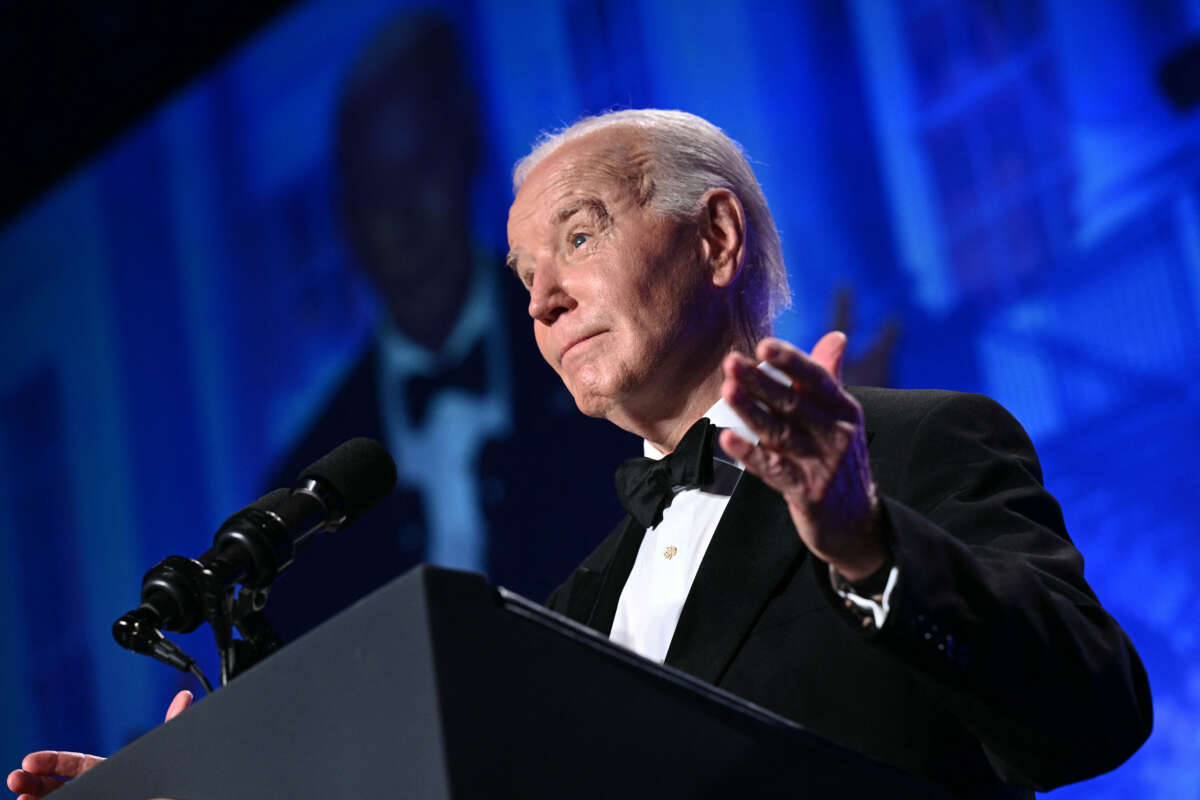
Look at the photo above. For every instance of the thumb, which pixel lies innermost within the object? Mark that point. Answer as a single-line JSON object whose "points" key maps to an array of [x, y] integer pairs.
{"points": [[829, 351], [181, 701]]}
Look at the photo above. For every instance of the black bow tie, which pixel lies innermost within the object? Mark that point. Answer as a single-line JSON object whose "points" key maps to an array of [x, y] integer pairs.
{"points": [[469, 375], [646, 486]]}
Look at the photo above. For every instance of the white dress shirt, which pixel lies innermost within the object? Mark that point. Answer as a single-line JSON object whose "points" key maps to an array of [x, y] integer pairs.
{"points": [[671, 551]]}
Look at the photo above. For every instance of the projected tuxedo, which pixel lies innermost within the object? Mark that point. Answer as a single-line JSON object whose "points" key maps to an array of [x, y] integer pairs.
{"points": [[525, 546], [995, 652]]}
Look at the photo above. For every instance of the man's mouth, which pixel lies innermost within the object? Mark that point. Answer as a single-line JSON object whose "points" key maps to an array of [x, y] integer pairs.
{"points": [[575, 343]]}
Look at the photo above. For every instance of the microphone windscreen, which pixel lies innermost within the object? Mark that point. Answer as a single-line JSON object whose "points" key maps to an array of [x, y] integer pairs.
{"points": [[361, 471]]}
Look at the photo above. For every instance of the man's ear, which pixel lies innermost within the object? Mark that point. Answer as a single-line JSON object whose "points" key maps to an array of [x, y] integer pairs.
{"points": [[723, 229]]}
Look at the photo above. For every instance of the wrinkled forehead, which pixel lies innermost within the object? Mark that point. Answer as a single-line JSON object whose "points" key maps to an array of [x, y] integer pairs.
{"points": [[605, 164]]}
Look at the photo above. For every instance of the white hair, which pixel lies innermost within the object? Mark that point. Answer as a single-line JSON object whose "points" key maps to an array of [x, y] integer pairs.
{"points": [[686, 156]]}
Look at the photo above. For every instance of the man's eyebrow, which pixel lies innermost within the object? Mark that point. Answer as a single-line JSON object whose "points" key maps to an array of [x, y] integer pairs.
{"points": [[592, 205]]}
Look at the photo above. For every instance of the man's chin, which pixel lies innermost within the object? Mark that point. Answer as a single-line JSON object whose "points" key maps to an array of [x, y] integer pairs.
{"points": [[591, 399], [592, 405]]}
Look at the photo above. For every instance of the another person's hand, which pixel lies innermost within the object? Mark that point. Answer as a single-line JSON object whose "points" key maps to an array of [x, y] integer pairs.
{"points": [[46, 770], [873, 366], [812, 448]]}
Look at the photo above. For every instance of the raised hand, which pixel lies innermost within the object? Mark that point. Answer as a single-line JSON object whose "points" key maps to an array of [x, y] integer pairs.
{"points": [[812, 448], [46, 770]]}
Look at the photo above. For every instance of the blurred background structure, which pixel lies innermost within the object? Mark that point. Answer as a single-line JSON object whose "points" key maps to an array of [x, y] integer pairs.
{"points": [[233, 237]]}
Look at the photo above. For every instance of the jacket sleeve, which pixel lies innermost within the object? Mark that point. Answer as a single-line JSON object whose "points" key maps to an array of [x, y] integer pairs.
{"points": [[992, 611]]}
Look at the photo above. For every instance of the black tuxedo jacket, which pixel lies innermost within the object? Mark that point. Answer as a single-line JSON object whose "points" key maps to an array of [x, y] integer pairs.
{"points": [[996, 665]]}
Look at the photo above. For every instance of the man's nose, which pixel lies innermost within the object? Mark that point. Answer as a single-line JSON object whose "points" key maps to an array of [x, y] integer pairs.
{"points": [[548, 297]]}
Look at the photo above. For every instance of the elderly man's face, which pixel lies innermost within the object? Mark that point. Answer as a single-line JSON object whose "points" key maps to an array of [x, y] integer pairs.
{"points": [[622, 305]]}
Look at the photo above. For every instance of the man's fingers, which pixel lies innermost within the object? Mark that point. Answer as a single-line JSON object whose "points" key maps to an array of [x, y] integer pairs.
{"points": [[28, 785], [807, 372], [742, 449], [734, 445], [754, 381], [773, 431], [59, 763], [769, 466], [181, 701], [790, 417], [789, 402], [40, 771], [829, 352]]}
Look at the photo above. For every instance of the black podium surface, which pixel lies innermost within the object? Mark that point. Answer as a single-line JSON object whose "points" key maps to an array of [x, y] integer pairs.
{"points": [[439, 686]]}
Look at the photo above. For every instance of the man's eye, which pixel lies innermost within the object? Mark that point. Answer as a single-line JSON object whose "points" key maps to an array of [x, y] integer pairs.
{"points": [[578, 240]]}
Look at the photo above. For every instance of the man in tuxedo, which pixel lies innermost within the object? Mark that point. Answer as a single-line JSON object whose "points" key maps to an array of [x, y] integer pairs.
{"points": [[883, 567]]}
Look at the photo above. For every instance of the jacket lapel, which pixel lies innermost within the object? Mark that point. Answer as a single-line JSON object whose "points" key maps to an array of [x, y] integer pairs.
{"points": [[754, 548], [593, 601]]}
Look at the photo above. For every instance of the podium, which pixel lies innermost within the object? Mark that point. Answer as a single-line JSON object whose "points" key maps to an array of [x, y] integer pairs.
{"points": [[440, 686]]}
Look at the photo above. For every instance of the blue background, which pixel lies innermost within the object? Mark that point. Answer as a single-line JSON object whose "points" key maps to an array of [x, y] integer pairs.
{"points": [[998, 191]]}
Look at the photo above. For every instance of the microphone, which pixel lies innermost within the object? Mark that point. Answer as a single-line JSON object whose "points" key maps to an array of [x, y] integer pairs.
{"points": [[258, 543]]}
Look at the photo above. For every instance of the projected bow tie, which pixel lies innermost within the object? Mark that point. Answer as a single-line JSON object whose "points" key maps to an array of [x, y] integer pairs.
{"points": [[646, 486]]}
